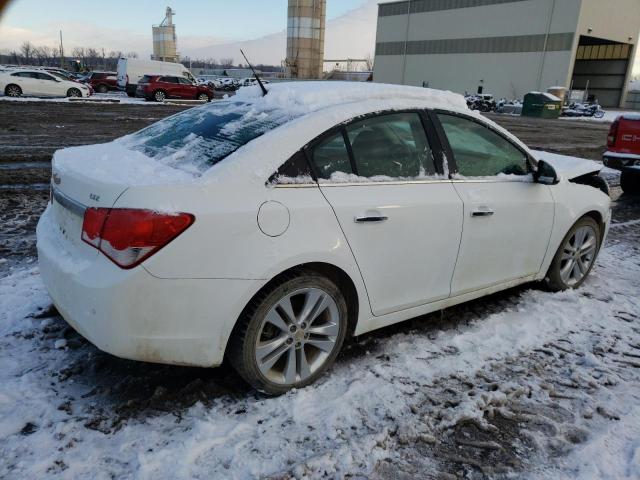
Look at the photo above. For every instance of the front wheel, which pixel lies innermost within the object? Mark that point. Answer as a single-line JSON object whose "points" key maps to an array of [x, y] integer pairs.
{"points": [[203, 97], [102, 88], [290, 334], [74, 92], [576, 256], [630, 183]]}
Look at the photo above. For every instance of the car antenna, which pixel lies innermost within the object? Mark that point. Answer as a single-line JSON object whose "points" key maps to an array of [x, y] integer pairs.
{"points": [[262, 87]]}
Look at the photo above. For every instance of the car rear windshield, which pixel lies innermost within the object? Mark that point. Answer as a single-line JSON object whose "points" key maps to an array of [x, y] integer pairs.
{"points": [[197, 139], [145, 79]]}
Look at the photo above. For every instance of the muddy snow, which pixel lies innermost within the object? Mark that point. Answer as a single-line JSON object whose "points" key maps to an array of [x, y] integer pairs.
{"points": [[521, 384]]}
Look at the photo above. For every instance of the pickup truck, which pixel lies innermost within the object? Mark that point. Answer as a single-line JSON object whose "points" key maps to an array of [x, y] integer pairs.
{"points": [[623, 151]]}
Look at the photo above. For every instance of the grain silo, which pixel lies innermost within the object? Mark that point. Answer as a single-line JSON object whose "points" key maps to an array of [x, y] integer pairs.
{"points": [[164, 39], [305, 38]]}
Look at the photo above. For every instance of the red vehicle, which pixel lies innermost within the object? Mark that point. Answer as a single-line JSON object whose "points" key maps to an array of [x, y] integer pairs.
{"points": [[102, 82], [160, 87], [623, 151]]}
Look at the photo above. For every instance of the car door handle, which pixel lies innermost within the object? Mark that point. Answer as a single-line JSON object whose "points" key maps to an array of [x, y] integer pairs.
{"points": [[371, 219], [482, 212]]}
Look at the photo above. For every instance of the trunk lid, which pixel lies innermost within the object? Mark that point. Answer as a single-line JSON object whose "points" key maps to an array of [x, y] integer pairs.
{"points": [[96, 176]]}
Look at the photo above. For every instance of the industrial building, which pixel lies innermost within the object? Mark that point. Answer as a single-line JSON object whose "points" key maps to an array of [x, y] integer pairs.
{"points": [[509, 47], [164, 39], [305, 38]]}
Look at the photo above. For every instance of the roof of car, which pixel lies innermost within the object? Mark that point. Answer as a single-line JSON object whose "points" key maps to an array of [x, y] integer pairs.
{"points": [[308, 97]]}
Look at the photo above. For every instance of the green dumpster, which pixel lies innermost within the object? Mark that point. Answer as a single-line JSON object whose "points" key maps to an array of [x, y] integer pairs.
{"points": [[541, 105]]}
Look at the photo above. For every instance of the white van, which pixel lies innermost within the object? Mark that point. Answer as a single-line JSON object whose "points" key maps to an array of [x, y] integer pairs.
{"points": [[131, 70]]}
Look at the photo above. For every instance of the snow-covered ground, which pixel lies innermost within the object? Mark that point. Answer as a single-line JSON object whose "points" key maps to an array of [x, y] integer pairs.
{"points": [[525, 383], [120, 97]]}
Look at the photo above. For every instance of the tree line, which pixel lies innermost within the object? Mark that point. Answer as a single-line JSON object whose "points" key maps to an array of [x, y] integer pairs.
{"points": [[88, 58]]}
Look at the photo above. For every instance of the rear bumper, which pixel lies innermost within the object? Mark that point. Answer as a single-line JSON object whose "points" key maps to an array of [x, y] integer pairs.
{"points": [[621, 162], [134, 315]]}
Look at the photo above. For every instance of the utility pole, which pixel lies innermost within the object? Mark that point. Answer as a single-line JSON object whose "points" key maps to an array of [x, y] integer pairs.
{"points": [[61, 51]]}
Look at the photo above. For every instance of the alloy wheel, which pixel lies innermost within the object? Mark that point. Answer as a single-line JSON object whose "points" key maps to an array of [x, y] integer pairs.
{"points": [[578, 254], [159, 96], [297, 336], [13, 91], [74, 92]]}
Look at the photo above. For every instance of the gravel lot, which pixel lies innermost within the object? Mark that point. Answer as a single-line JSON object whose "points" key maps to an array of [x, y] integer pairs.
{"points": [[506, 386]]}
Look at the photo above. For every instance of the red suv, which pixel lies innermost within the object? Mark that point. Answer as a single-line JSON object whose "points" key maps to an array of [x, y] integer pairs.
{"points": [[623, 151], [102, 82], [160, 87]]}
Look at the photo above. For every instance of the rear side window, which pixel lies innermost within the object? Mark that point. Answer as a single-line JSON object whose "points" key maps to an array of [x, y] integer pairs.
{"points": [[393, 145], [294, 170], [331, 157], [480, 152], [145, 79]]}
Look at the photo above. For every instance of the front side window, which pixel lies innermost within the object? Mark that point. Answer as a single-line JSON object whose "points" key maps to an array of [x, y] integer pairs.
{"points": [[331, 157], [169, 80], [184, 81], [480, 152], [392, 145], [44, 76]]}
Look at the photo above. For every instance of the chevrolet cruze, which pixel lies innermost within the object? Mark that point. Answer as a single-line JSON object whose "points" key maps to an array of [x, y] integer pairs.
{"points": [[265, 229]]}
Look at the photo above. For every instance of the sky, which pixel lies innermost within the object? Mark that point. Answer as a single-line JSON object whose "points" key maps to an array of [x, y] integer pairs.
{"points": [[125, 25]]}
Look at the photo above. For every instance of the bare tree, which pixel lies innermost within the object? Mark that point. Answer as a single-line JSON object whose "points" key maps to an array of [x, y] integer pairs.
{"points": [[132, 55], [368, 62], [226, 62], [27, 50]]}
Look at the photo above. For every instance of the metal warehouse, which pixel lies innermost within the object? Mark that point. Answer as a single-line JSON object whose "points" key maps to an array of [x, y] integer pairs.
{"points": [[509, 47]]}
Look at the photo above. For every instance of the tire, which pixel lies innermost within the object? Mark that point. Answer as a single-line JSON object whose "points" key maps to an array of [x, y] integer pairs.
{"points": [[159, 96], [204, 97], [574, 261], [102, 88], [131, 94], [74, 92], [289, 344], [629, 182], [13, 90]]}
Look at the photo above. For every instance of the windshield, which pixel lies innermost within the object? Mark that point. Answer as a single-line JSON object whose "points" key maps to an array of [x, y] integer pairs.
{"points": [[199, 138]]}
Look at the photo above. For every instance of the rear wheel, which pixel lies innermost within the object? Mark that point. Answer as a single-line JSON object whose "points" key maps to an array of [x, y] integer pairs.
{"points": [[290, 334], [74, 92], [13, 90], [576, 256], [630, 183], [159, 96]]}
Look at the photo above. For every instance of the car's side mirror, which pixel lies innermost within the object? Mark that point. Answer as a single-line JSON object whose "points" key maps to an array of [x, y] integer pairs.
{"points": [[545, 174]]}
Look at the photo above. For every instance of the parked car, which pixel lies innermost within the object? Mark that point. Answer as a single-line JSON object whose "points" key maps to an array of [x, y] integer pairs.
{"points": [[35, 82], [131, 70], [266, 229], [251, 81], [102, 82], [159, 88], [623, 151]]}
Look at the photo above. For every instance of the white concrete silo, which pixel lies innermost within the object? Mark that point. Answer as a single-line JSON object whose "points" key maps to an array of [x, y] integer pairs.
{"points": [[305, 38], [164, 39]]}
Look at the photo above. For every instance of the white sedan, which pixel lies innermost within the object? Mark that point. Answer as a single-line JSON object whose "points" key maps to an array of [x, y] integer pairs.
{"points": [[265, 229], [39, 83]]}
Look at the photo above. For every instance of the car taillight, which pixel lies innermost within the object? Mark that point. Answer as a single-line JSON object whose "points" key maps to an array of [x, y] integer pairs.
{"points": [[128, 236], [613, 133]]}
